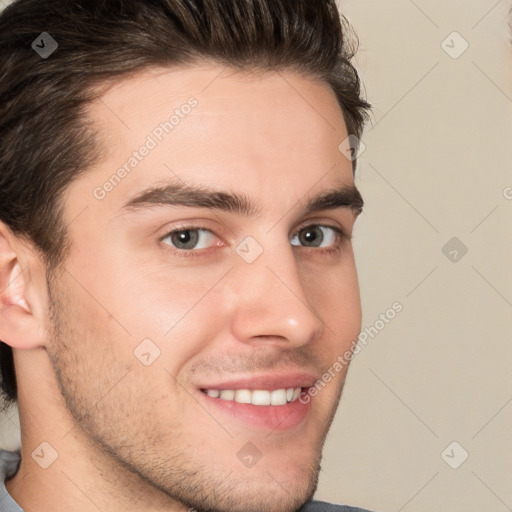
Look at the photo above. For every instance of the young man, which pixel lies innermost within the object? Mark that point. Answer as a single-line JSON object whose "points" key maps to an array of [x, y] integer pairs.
{"points": [[176, 273]]}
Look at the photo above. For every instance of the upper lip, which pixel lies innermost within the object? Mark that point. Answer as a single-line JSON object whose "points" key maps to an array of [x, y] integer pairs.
{"points": [[269, 381]]}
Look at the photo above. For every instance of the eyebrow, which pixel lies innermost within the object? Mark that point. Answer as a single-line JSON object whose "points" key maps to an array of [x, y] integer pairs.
{"points": [[181, 194]]}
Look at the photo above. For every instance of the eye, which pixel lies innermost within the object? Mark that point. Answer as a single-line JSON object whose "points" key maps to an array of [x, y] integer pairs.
{"points": [[316, 236], [189, 238]]}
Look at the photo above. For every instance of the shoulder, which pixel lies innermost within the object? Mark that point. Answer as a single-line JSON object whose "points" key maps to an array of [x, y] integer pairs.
{"points": [[9, 463], [320, 506]]}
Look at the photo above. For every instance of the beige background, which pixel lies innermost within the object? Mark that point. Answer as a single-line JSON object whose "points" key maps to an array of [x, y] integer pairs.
{"points": [[437, 161], [436, 164]]}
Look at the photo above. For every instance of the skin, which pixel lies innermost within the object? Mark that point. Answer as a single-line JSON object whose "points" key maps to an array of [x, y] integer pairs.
{"points": [[135, 437]]}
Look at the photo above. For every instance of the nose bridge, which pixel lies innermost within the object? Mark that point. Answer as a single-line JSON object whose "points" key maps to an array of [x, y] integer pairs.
{"points": [[271, 301]]}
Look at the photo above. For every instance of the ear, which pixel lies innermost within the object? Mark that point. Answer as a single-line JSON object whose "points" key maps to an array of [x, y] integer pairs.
{"points": [[21, 300]]}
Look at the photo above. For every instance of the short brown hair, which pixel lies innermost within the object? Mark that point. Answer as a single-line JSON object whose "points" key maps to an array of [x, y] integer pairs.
{"points": [[45, 138]]}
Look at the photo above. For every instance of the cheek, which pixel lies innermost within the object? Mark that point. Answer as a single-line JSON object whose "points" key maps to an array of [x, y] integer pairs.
{"points": [[104, 381], [86, 347], [149, 296], [333, 292], [179, 309]]}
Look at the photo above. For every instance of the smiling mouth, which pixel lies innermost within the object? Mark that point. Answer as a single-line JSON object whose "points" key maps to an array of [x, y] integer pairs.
{"points": [[261, 397]]}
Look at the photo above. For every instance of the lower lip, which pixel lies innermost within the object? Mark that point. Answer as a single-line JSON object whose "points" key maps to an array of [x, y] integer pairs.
{"points": [[267, 417]]}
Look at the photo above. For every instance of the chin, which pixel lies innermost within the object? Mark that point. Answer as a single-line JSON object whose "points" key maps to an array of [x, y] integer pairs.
{"points": [[261, 490], [249, 496]]}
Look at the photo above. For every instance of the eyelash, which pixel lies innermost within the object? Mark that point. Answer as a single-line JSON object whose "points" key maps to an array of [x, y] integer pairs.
{"points": [[341, 239]]}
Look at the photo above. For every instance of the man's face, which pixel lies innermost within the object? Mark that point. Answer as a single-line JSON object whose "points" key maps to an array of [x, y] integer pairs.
{"points": [[151, 327]]}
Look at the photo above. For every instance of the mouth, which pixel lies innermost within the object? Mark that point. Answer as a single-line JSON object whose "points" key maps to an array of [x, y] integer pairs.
{"points": [[269, 402], [258, 397]]}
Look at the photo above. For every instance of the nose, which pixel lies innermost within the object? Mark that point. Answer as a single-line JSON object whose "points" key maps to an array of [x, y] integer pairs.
{"points": [[270, 303]]}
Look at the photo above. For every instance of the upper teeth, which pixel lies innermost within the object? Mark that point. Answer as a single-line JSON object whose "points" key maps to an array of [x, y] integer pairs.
{"points": [[256, 396]]}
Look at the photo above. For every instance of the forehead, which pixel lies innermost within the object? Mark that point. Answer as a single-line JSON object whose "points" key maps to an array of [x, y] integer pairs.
{"points": [[134, 99], [218, 127]]}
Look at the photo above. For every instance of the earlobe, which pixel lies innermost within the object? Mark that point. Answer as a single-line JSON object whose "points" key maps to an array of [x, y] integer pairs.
{"points": [[19, 327]]}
